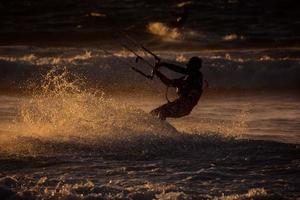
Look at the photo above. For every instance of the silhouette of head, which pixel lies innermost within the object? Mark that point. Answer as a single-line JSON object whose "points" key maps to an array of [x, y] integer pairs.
{"points": [[194, 64]]}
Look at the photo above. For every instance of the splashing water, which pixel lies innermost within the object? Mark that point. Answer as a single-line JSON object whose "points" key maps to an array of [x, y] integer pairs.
{"points": [[62, 115], [62, 111]]}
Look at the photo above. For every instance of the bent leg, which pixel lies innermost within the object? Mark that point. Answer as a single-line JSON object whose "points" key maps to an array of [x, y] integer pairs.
{"points": [[175, 109]]}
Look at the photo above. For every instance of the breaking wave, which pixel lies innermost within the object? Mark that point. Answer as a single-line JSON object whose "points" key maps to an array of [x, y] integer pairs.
{"points": [[163, 31], [240, 69], [90, 190]]}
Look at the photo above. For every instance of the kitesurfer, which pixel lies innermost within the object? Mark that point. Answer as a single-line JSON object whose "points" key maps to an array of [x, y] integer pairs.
{"points": [[189, 89]]}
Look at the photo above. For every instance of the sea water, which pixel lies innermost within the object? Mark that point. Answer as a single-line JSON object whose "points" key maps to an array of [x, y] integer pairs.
{"points": [[74, 124]]}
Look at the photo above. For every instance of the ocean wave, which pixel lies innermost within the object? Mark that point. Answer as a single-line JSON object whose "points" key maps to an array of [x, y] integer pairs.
{"points": [[10, 189], [85, 166], [240, 70]]}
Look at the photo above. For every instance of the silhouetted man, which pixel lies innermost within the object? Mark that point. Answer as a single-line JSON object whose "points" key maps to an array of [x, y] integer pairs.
{"points": [[189, 89]]}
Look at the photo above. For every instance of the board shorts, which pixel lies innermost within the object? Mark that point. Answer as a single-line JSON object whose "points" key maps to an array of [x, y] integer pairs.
{"points": [[179, 107]]}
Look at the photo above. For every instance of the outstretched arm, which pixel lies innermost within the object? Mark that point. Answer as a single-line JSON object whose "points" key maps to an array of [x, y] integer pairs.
{"points": [[174, 68], [167, 81]]}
